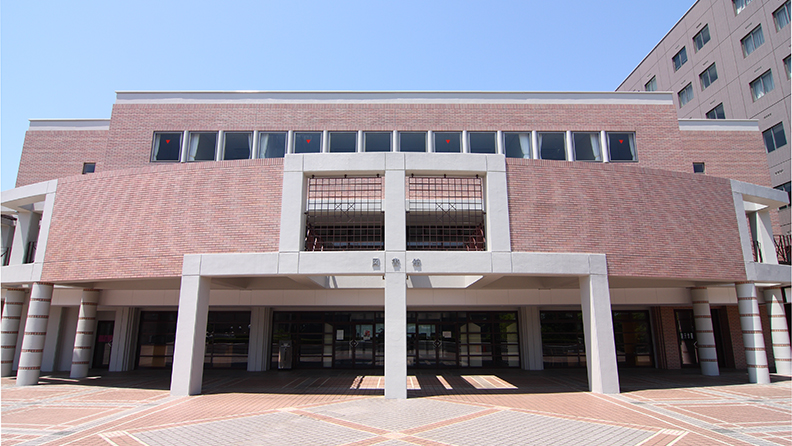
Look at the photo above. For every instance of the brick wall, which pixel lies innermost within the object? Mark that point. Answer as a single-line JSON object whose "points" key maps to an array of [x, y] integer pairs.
{"points": [[668, 340], [140, 222], [735, 330], [649, 223], [50, 154], [735, 155]]}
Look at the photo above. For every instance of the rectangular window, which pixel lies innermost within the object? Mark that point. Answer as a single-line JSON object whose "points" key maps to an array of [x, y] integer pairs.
{"points": [[552, 146], [272, 145], [786, 187], [774, 137], [377, 141], [787, 67], [621, 146], [709, 76], [651, 85], [482, 142], [167, 146], [701, 38], [679, 59], [448, 142], [307, 142], [202, 146], [752, 41], [685, 95], [762, 85], [237, 145], [343, 141], [781, 16], [586, 146], [717, 112], [739, 5], [89, 168], [412, 141], [698, 167], [517, 145]]}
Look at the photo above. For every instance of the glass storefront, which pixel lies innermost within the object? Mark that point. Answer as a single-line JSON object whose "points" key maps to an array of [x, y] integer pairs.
{"points": [[434, 339]]}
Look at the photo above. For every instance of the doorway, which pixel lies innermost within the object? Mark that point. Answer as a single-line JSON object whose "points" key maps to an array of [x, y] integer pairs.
{"points": [[103, 344]]}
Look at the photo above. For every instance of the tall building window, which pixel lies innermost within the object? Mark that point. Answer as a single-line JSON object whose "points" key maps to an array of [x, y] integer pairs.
{"points": [[482, 142], [89, 168], [307, 142], [762, 85], [552, 146], [586, 146], [786, 67], [448, 142], [685, 95], [517, 145], [752, 41], [343, 141], [786, 187], [377, 141], [781, 16], [701, 38], [739, 5], [272, 145], [167, 146], [237, 145], [717, 112], [709, 76], [202, 146], [679, 59], [621, 146], [412, 141], [698, 167], [774, 137], [651, 85]]}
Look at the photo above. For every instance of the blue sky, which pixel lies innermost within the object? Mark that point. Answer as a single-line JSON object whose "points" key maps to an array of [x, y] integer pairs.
{"points": [[66, 59]]}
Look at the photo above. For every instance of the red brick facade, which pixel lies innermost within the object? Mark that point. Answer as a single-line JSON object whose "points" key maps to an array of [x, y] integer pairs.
{"points": [[139, 223], [649, 223], [734, 155], [50, 154]]}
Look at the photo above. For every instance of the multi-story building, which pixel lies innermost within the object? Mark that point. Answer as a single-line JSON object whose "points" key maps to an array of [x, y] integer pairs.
{"points": [[729, 59], [392, 230]]}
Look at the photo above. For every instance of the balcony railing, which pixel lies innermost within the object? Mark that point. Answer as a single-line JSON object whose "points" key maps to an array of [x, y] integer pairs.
{"points": [[6, 256], [30, 252], [783, 246]]}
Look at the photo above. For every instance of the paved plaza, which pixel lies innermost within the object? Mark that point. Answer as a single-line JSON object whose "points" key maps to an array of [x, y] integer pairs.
{"points": [[458, 407]]}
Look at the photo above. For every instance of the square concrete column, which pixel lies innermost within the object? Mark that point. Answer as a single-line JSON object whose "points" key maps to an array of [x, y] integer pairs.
{"points": [[12, 315], [603, 373], [779, 333], [122, 354], [190, 346], [762, 232], [26, 232], [753, 338], [259, 346], [705, 335], [396, 335], [35, 334], [85, 334]]}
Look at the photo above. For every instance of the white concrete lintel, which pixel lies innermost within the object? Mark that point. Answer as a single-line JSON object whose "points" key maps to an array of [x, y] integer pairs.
{"points": [[26, 195], [753, 193], [769, 273], [25, 273]]}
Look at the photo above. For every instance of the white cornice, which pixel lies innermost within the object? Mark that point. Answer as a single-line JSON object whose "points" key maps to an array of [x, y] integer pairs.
{"points": [[719, 125], [69, 124]]}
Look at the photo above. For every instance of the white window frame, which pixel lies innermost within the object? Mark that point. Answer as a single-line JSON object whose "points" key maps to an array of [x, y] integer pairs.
{"points": [[782, 12], [651, 85], [740, 5], [261, 149], [749, 42], [679, 56], [685, 95], [190, 155], [700, 36], [708, 76], [155, 146], [772, 134], [766, 84], [715, 110]]}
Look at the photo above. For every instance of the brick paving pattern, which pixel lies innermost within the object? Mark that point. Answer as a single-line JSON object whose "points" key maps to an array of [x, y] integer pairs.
{"points": [[444, 408]]}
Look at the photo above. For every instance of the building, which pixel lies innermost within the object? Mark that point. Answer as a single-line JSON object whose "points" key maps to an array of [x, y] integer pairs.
{"points": [[729, 59], [392, 230]]}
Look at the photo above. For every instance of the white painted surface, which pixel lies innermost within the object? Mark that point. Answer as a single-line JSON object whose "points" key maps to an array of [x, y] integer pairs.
{"points": [[395, 336], [12, 314], [51, 356], [751, 323], [35, 335], [85, 334], [260, 335], [779, 331], [530, 339], [190, 344], [122, 354], [598, 331], [705, 336]]}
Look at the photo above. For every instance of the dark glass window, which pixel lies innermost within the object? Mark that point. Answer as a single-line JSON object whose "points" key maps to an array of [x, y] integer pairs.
{"points": [[227, 339], [307, 142], [517, 145], [762, 85], [621, 146], [552, 146], [786, 187], [679, 59], [685, 95], [448, 142], [156, 338], [709, 76], [272, 145], [586, 146], [651, 85], [482, 142], [89, 168], [752, 41], [774, 137], [377, 141], [167, 146], [717, 112], [237, 145], [343, 141], [698, 167], [412, 142], [702, 37], [202, 146]]}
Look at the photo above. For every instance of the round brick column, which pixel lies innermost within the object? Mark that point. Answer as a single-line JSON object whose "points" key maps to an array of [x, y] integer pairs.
{"points": [[35, 334], [84, 338], [9, 328], [753, 338]]}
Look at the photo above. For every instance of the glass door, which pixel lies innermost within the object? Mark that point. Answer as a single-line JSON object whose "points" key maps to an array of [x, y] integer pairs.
{"points": [[436, 345], [354, 345]]}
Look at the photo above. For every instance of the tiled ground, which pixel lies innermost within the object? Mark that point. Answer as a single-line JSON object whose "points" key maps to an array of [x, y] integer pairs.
{"points": [[307, 408]]}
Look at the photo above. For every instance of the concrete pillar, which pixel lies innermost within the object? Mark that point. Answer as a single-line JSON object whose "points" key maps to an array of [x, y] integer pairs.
{"points": [[779, 332], [35, 334], [535, 145], [395, 335], [570, 151], [753, 339], [499, 143], [50, 357], [762, 232], [604, 147], [122, 354], [603, 373], [190, 345], [26, 231], [12, 313], [705, 335], [85, 334], [531, 357], [259, 355]]}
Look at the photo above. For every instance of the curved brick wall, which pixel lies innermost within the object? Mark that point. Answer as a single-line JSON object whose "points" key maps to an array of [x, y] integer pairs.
{"points": [[650, 223], [140, 222]]}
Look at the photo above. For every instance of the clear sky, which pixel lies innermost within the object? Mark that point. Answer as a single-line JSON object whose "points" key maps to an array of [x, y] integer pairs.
{"points": [[63, 59]]}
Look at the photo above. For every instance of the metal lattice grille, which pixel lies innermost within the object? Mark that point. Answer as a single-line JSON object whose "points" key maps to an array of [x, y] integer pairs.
{"points": [[344, 214], [445, 214]]}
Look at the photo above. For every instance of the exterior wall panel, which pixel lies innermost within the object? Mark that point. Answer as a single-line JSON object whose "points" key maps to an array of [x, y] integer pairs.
{"points": [[50, 154]]}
